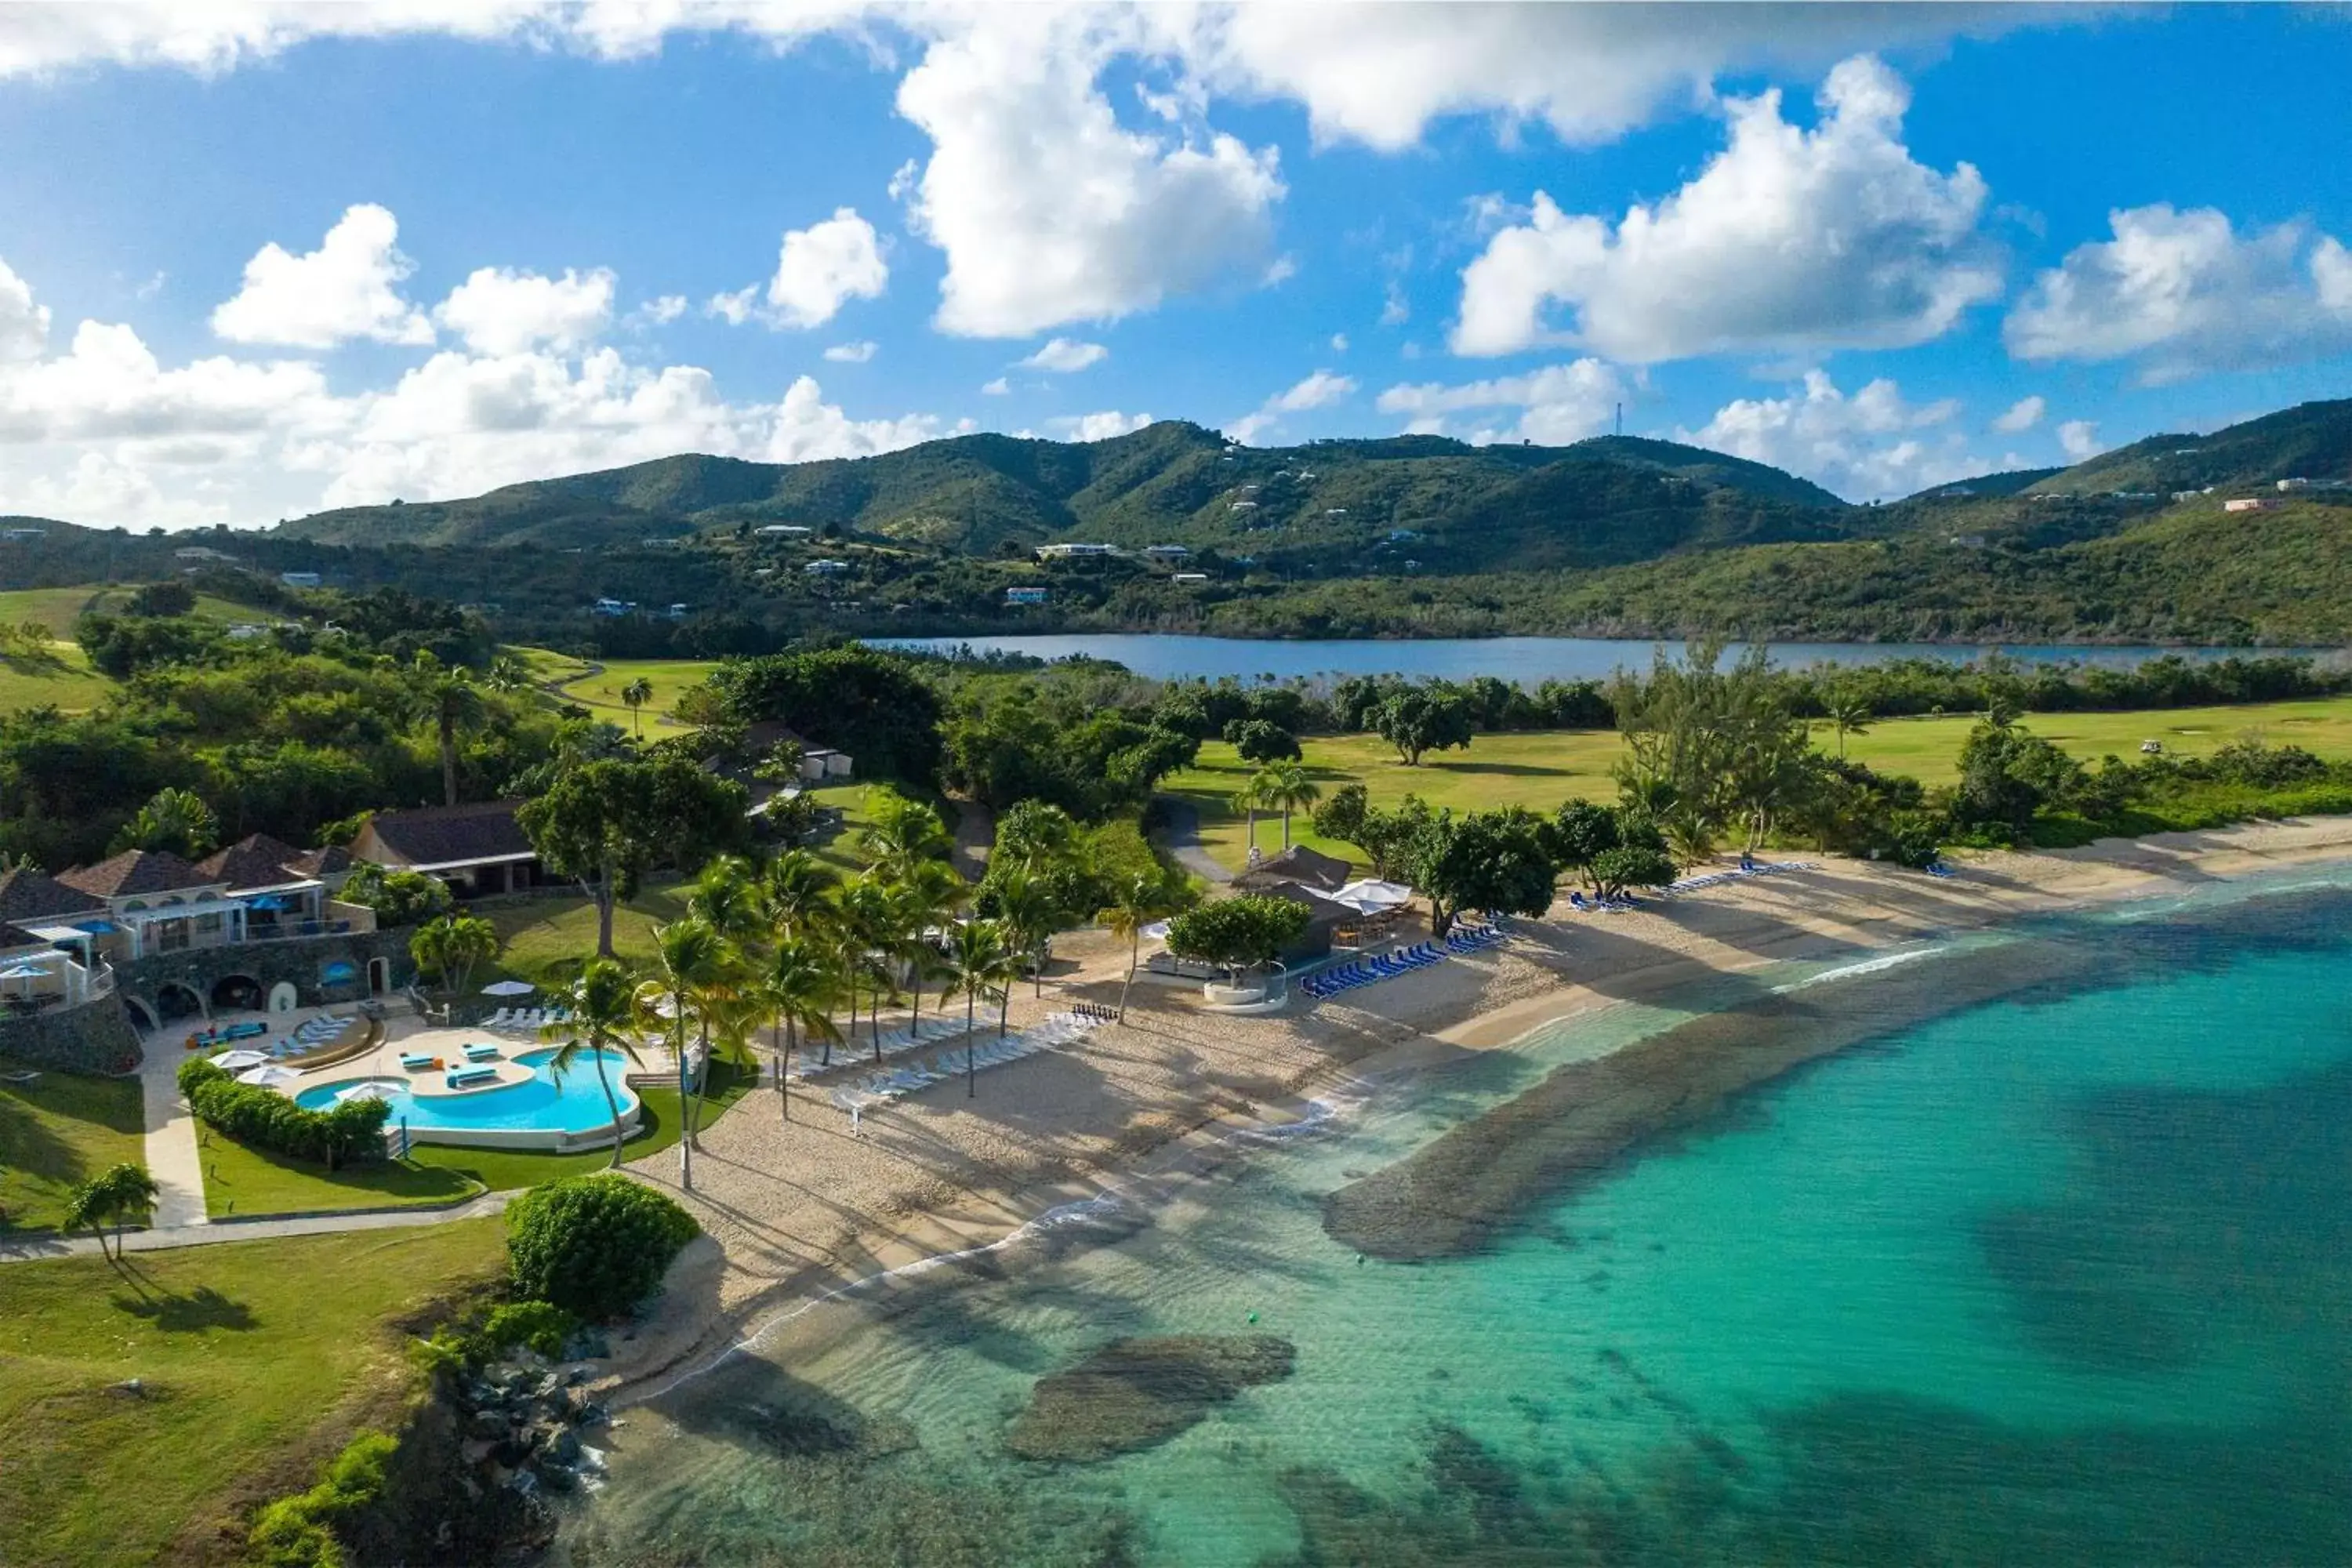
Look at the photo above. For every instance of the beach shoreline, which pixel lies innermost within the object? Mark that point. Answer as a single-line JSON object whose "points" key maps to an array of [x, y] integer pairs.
{"points": [[806, 1217]]}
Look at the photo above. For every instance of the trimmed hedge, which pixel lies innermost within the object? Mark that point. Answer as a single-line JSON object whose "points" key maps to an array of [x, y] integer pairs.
{"points": [[595, 1245], [264, 1119]]}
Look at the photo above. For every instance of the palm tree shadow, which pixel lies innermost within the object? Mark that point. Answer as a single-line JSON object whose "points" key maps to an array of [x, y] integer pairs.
{"points": [[205, 1308]]}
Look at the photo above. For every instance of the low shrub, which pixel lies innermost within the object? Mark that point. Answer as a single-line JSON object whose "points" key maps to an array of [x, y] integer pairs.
{"points": [[264, 1119], [541, 1326], [595, 1245], [301, 1531]]}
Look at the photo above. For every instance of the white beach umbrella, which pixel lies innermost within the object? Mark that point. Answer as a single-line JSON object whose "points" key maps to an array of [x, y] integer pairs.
{"points": [[238, 1061], [366, 1091], [270, 1077], [509, 988], [1156, 932]]}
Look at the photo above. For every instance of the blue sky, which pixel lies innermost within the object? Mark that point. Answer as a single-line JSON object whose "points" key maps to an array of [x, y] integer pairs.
{"points": [[261, 261]]}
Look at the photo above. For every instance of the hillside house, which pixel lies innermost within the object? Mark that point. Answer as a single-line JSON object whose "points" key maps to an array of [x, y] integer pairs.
{"points": [[1024, 596], [1165, 552], [782, 531], [300, 579], [1188, 578], [1075, 551], [826, 568], [479, 850], [2252, 503]]}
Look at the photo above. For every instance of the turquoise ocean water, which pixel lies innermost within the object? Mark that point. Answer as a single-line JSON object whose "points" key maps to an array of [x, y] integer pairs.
{"points": [[2062, 1279]]}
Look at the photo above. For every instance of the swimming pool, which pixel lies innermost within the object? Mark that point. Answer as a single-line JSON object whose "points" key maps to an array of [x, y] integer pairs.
{"points": [[545, 1110]]}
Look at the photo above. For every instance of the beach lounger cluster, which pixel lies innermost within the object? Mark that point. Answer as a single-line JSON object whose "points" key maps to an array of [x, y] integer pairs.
{"points": [[1623, 902], [1940, 868], [470, 1077], [483, 1053], [524, 1020], [1387, 965], [1757, 868], [314, 1034], [418, 1061], [881, 1088], [858, 1051]]}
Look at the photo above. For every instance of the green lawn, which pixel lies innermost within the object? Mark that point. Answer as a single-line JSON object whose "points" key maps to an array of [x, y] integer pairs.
{"points": [[502, 1170], [58, 1133], [669, 677], [245, 1180], [257, 1359], [1540, 769]]}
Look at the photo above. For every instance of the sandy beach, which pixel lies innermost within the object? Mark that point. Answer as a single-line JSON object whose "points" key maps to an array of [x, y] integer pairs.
{"points": [[797, 1210]]}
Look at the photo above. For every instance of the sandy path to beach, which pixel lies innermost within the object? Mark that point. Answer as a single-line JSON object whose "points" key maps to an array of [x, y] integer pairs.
{"points": [[802, 1207]]}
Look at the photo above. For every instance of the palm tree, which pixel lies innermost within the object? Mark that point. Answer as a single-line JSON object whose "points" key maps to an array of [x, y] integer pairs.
{"points": [[601, 1008], [900, 832], [2001, 713], [726, 894], [1250, 799], [110, 1197], [800, 982], [1141, 900], [698, 967], [1286, 784], [635, 695], [924, 899], [451, 698], [796, 891], [979, 964], [1026, 907], [1848, 716], [452, 947], [174, 819], [507, 673], [869, 926]]}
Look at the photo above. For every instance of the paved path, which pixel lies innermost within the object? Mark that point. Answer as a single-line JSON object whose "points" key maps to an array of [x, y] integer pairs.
{"points": [[171, 1156], [163, 1238], [1184, 841]]}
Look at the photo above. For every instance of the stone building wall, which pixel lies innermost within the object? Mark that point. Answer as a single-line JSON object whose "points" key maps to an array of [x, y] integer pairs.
{"points": [[96, 1036], [324, 970]]}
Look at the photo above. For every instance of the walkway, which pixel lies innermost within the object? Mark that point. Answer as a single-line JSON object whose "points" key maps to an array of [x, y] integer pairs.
{"points": [[172, 1157], [1183, 840], [162, 1239]]}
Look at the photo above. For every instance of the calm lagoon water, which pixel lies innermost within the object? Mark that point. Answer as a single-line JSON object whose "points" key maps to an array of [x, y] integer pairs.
{"points": [[1526, 660], [2062, 1279]]}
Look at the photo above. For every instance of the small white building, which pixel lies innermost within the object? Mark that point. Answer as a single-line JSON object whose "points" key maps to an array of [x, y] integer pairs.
{"points": [[2252, 503], [2294, 484], [1024, 596], [612, 606], [22, 535], [1190, 577], [299, 579], [1165, 552], [1075, 551], [783, 531], [827, 568]]}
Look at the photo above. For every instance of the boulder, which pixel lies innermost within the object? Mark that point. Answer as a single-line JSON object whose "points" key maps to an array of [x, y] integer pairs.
{"points": [[488, 1422]]}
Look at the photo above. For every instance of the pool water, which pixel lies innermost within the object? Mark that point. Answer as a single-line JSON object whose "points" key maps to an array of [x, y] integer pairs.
{"points": [[572, 1103], [2062, 1278]]}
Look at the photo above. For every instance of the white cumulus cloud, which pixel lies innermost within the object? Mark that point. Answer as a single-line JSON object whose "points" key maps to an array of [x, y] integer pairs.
{"points": [[1557, 405], [2184, 292], [852, 354], [2079, 438], [345, 289], [1320, 390], [997, 388], [1871, 445], [23, 322], [1066, 356], [824, 266], [2023, 415], [1100, 426], [1049, 209], [1788, 239], [499, 310]]}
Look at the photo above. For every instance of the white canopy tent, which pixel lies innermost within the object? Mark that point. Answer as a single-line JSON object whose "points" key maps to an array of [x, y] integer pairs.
{"points": [[1368, 896]]}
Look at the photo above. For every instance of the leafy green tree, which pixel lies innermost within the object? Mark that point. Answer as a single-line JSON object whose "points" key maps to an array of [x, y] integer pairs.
{"points": [[923, 900], [1422, 719], [173, 820], [595, 1245], [796, 891], [1388, 832], [634, 697], [900, 831], [451, 947], [1580, 833], [1631, 865], [1340, 814], [2009, 775], [608, 822], [1030, 909], [979, 965], [601, 1015], [115, 1197], [1261, 740], [1490, 860], [867, 925], [726, 895], [507, 675], [1237, 933], [399, 898], [163, 599]]}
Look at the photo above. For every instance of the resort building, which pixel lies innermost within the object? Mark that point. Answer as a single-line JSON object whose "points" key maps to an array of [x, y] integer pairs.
{"points": [[825, 568], [1024, 596], [1188, 578], [782, 531], [2252, 503], [299, 579], [1165, 552], [479, 850], [1075, 551]]}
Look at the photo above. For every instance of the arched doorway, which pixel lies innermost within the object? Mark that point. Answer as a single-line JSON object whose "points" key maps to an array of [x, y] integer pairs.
{"points": [[379, 976], [175, 1001], [143, 1016], [237, 993]]}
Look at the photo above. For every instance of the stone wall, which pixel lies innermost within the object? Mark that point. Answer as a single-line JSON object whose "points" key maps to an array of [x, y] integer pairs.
{"points": [[96, 1036], [324, 970]]}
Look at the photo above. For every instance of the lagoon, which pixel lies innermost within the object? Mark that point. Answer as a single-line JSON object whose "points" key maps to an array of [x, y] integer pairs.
{"points": [[2066, 1277], [1526, 660]]}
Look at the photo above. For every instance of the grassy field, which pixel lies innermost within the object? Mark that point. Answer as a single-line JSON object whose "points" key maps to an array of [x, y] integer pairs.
{"points": [[65, 677], [602, 691], [56, 1134], [257, 1359], [243, 1180], [1540, 769]]}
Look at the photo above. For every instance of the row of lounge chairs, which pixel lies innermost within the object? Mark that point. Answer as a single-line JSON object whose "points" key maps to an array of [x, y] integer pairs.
{"points": [[524, 1020], [857, 1049], [1387, 965], [881, 1088], [1746, 869]]}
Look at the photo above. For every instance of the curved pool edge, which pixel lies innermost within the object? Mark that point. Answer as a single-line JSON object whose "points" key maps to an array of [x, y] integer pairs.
{"points": [[529, 1139]]}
